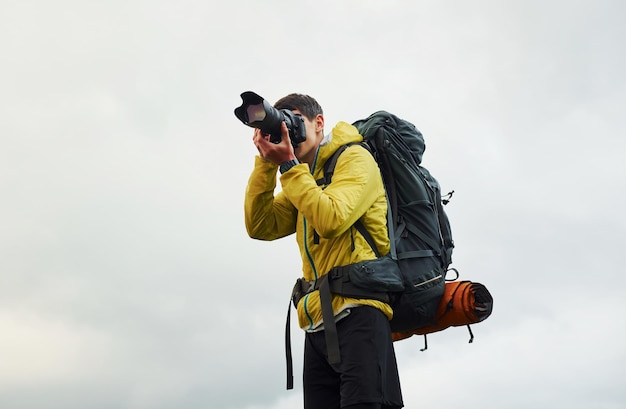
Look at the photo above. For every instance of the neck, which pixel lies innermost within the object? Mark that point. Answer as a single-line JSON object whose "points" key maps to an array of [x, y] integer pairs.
{"points": [[310, 156]]}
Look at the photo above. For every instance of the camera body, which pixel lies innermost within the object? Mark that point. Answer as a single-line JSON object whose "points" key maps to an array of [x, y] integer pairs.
{"points": [[256, 112]]}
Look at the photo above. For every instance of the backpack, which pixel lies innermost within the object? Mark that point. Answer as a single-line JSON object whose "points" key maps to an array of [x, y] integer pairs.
{"points": [[420, 237], [412, 278], [419, 229]]}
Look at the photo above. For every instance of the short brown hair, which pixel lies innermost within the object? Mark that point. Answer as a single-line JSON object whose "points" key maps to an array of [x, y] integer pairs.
{"points": [[307, 105]]}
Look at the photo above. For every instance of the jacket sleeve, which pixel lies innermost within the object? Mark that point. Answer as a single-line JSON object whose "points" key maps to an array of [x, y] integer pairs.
{"points": [[267, 216], [355, 186]]}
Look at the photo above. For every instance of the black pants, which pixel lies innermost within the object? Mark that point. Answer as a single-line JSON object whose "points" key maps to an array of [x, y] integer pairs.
{"points": [[366, 377]]}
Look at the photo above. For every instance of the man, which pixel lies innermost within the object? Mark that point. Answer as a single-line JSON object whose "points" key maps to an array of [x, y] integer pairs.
{"points": [[366, 376]]}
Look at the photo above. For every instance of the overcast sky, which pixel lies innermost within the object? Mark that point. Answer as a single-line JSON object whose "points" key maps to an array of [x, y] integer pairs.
{"points": [[127, 279]]}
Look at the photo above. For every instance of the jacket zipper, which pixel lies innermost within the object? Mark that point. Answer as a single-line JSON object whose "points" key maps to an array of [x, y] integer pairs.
{"points": [[306, 311], [306, 249]]}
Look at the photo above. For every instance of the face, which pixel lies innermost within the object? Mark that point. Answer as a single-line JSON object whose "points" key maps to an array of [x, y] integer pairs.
{"points": [[305, 152]]}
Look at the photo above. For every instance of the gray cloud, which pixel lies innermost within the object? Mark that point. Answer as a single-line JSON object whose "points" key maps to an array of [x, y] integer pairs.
{"points": [[127, 279]]}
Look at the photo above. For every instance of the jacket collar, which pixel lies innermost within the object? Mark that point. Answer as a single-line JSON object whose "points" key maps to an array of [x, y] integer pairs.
{"points": [[342, 134]]}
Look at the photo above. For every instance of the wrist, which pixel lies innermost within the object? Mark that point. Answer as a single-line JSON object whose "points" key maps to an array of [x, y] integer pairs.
{"points": [[285, 166]]}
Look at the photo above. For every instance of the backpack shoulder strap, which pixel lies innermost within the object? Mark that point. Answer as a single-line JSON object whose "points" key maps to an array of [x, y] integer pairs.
{"points": [[329, 171], [331, 163]]}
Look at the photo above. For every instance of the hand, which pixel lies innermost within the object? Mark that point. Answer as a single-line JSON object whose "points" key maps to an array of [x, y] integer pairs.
{"points": [[274, 152]]}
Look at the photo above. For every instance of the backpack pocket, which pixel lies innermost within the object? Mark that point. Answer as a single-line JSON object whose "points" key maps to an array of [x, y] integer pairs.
{"points": [[424, 282], [382, 274]]}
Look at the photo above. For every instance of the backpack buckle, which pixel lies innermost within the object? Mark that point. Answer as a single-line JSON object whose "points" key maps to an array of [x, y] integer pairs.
{"points": [[300, 289]]}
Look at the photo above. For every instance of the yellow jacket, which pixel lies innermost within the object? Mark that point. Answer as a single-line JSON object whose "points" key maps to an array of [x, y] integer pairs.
{"points": [[309, 210]]}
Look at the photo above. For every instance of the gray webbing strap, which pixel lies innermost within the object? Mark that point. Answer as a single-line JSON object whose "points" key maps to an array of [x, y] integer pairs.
{"points": [[416, 254], [422, 236]]}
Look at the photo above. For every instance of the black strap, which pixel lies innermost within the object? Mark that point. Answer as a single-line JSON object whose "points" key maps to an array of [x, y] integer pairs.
{"points": [[337, 281], [329, 166], [330, 327], [288, 349], [368, 237], [300, 289]]}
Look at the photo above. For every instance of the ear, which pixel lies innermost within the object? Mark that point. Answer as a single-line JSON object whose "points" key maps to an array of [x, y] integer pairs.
{"points": [[319, 123]]}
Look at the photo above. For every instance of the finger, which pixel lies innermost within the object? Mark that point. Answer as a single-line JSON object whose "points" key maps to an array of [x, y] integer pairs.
{"points": [[285, 133]]}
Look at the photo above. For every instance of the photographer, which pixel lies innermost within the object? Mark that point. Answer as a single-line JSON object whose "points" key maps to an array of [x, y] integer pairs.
{"points": [[366, 377]]}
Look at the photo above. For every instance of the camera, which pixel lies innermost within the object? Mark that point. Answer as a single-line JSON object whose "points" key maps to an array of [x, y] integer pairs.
{"points": [[256, 112]]}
